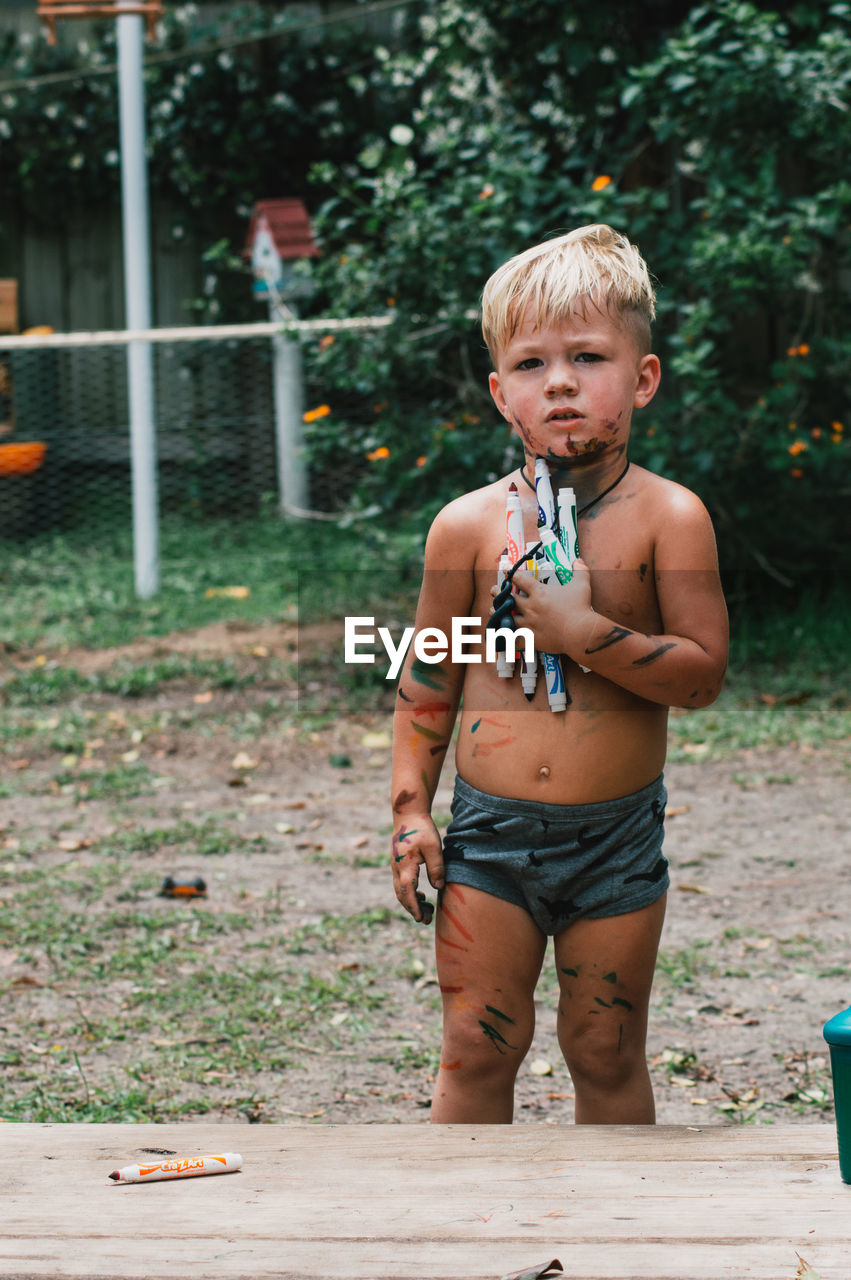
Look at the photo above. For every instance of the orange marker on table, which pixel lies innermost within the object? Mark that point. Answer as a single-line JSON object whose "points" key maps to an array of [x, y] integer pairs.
{"points": [[190, 1167]]}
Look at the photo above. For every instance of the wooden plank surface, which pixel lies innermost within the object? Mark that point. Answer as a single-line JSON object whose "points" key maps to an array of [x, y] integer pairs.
{"points": [[383, 1202]]}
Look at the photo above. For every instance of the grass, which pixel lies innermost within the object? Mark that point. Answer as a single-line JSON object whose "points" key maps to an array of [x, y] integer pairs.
{"points": [[76, 591], [128, 1006]]}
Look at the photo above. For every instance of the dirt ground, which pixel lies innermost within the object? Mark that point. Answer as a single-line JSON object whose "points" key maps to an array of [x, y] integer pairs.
{"points": [[754, 951]]}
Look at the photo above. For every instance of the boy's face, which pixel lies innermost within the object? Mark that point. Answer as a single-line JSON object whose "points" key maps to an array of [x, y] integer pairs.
{"points": [[569, 390]]}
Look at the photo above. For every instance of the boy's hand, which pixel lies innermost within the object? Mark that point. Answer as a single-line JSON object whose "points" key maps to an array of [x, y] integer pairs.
{"points": [[416, 842], [559, 614]]}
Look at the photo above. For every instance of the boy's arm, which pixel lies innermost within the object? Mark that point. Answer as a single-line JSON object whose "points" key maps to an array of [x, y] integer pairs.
{"points": [[426, 706], [682, 666]]}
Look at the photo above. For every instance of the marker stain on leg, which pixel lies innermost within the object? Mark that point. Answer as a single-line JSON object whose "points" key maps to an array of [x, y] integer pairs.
{"points": [[497, 1013], [495, 1038]]}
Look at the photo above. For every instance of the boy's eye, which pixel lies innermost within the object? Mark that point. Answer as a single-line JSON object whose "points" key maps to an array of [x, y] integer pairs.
{"points": [[588, 357], [531, 362]]}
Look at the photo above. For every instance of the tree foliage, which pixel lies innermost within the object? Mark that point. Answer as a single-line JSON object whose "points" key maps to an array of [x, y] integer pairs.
{"points": [[716, 136]]}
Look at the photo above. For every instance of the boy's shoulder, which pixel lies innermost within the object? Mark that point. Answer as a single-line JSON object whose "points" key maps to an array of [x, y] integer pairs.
{"points": [[457, 526], [675, 520], [668, 498], [473, 505]]}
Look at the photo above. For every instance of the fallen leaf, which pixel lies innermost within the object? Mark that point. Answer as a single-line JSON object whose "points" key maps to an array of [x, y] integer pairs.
{"points": [[242, 760], [805, 1271], [72, 844], [692, 888], [676, 811], [260, 651], [229, 593], [540, 1067], [284, 828], [206, 696], [376, 741]]}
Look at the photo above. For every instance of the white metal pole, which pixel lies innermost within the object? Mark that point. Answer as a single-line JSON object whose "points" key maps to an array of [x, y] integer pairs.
{"points": [[137, 294], [289, 424]]}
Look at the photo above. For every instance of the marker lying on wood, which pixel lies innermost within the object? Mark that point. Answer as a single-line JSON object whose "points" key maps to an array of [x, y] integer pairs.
{"points": [[192, 1167]]}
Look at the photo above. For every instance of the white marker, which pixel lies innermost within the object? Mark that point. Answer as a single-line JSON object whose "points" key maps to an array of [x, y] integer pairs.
{"points": [[504, 666], [190, 1167]]}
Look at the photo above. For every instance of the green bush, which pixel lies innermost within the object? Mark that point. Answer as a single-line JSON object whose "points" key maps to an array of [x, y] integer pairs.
{"points": [[723, 155], [716, 137]]}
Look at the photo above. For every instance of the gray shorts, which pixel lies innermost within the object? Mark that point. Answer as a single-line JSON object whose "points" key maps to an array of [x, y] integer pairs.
{"points": [[560, 862]]}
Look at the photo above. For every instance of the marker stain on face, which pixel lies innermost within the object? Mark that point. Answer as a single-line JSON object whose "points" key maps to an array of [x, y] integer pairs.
{"points": [[624, 1003], [404, 695], [450, 1066]]}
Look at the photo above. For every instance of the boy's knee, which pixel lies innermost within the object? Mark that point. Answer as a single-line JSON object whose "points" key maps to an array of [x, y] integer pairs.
{"points": [[602, 1057], [489, 1043]]}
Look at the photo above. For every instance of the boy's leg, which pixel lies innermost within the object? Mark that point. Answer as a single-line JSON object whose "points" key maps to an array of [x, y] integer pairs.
{"points": [[489, 957], [605, 970]]}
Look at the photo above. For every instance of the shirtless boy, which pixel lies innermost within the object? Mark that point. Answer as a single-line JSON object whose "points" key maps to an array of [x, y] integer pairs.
{"points": [[558, 817]]}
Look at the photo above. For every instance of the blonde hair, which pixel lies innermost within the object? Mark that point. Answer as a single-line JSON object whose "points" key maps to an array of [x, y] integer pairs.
{"points": [[555, 278]]}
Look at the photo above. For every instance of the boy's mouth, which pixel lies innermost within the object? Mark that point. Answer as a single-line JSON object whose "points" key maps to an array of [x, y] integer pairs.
{"points": [[563, 415]]}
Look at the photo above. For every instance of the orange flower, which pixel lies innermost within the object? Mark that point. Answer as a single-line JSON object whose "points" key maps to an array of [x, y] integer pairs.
{"points": [[600, 183], [327, 341], [381, 452], [799, 446], [486, 192], [313, 415], [422, 460], [803, 349], [837, 428], [816, 433], [797, 473]]}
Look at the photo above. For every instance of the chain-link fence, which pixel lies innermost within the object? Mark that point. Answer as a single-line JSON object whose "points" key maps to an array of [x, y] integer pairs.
{"points": [[228, 404]]}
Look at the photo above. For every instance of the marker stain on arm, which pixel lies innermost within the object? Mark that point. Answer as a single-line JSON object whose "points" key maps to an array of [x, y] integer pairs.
{"points": [[651, 657], [400, 838], [432, 709], [425, 674], [612, 637]]}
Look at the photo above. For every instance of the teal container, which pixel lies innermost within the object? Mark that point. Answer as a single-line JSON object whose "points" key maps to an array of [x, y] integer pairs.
{"points": [[837, 1033]]}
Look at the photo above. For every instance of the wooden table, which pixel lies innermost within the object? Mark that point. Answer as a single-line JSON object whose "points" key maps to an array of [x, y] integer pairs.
{"points": [[371, 1202]]}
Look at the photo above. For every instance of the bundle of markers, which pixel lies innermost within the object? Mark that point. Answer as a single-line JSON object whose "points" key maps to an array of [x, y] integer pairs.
{"points": [[550, 559]]}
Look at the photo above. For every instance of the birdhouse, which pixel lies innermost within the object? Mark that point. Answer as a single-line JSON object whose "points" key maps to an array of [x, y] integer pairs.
{"points": [[279, 232], [50, 10]]}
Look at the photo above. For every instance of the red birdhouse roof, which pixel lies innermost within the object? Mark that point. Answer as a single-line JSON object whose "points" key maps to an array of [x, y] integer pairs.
{"points": [[290, 226]]}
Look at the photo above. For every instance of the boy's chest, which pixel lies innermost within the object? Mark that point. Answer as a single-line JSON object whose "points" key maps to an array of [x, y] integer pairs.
{"points": [[617, 550]]}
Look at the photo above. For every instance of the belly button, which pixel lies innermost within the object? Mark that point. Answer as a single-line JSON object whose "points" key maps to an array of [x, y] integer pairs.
{"points": [[544, 771]]}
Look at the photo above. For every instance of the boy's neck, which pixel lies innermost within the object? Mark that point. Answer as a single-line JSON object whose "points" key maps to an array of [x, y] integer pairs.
{"points": [[589, 479]]}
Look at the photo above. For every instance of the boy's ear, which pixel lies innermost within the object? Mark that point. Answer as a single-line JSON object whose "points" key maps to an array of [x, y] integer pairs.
{"points": [[498, 398], [649, 376]]}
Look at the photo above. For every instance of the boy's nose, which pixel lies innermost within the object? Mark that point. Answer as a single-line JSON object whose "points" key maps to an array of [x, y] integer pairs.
{"points": [[561, 380]]}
